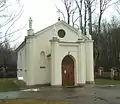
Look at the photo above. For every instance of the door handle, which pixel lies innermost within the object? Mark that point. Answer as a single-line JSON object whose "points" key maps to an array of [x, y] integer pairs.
{"points": [[64, 71]]}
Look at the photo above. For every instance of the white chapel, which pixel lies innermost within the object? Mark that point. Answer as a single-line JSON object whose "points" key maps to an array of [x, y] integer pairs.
{"points": [[58, 55]]}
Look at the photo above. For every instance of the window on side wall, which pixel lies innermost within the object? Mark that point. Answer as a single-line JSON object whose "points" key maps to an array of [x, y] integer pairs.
{"points": [[42, 59]]}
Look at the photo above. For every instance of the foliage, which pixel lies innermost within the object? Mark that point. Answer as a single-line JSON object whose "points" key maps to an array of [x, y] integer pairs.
{"points": [[7, 57], [107, 45]]}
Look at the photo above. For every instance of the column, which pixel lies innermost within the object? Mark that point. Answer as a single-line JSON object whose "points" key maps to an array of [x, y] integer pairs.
{"points": [[55, 78], [89, 62], [29, 60], [27, 63], [81, 62]]}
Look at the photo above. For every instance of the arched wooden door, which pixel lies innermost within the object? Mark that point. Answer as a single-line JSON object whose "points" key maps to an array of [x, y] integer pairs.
{"points": [[67, 71]]}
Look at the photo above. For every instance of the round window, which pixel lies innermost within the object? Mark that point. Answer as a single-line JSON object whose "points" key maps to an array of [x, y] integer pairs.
{"points": [[61, 33]]}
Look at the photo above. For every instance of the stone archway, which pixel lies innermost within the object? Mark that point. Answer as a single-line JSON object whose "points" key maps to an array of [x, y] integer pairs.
{"points": [[67, 71]]}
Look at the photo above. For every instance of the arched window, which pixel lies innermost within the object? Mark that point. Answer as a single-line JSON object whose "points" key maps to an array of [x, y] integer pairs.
{"points": [[42, 59]]}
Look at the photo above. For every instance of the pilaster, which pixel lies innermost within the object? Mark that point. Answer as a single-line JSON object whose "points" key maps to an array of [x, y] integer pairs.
{"points": [[29, 61], [81, 62], [54, 54], [89, 61]]}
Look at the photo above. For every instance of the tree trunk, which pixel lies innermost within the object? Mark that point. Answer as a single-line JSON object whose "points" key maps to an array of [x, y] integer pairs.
{"points": [[79, 6], [68, 21], [85, 16], [99, 24], [80, 13], [100, 17], [89, 16]]}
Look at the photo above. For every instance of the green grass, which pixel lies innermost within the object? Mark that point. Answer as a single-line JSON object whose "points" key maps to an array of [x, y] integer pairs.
{"points": [[7, 84], [106, 81], [32, 101]]}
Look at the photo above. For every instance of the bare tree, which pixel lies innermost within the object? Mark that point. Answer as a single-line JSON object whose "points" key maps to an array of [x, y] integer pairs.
{"points": [[89, 5], [85, 16], [69, 13], [103, 5], [8, 21], [117, 7], [85, 7], [84, 11], [68, 8], [79, 6], [73, 17]]}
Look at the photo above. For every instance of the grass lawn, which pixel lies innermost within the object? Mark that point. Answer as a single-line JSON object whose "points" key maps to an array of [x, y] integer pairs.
{"points": [[106, 81], [32, 101], [7, 84]]}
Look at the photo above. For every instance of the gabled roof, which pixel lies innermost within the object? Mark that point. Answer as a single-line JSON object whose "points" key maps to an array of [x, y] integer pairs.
{"points": [[46, 29], [56, 24]]}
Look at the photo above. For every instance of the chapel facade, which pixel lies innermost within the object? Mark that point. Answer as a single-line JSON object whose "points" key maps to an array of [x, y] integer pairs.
{"points": [[58, 55]]}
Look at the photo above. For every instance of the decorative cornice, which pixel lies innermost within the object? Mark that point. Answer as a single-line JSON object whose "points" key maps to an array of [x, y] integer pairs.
{"points": [[54, 39], [67, 42], [80, 41], [89, 40], [29, 36]]}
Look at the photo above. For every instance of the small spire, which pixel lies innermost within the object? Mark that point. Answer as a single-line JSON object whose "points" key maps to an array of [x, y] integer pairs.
{"points": [[58, 18], [30, 23], [30, 30]]}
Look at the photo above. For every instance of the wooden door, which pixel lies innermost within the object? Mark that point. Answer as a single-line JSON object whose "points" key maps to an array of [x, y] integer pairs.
{"points": [[67, 71]]}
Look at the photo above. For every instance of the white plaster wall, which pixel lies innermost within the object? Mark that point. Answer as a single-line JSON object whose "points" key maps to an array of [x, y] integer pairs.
{"points": [[42, 43], [41, 75], [18, 60], [21, 63], [49, 68], [18, 64]]}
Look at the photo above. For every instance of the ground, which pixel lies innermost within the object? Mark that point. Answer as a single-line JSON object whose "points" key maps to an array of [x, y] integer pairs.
{"points": [[97, 94], [32, 101], [90, 94]]}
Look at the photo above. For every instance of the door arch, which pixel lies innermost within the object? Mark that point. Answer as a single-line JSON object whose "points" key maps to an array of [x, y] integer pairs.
{"points": [[67, 71]]}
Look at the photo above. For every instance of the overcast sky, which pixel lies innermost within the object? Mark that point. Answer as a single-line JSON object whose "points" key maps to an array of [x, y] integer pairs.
{"points": [[43, 13]]}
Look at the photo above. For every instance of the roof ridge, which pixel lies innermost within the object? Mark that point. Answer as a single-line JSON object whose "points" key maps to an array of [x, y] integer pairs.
{"points": [[63, 22]]}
